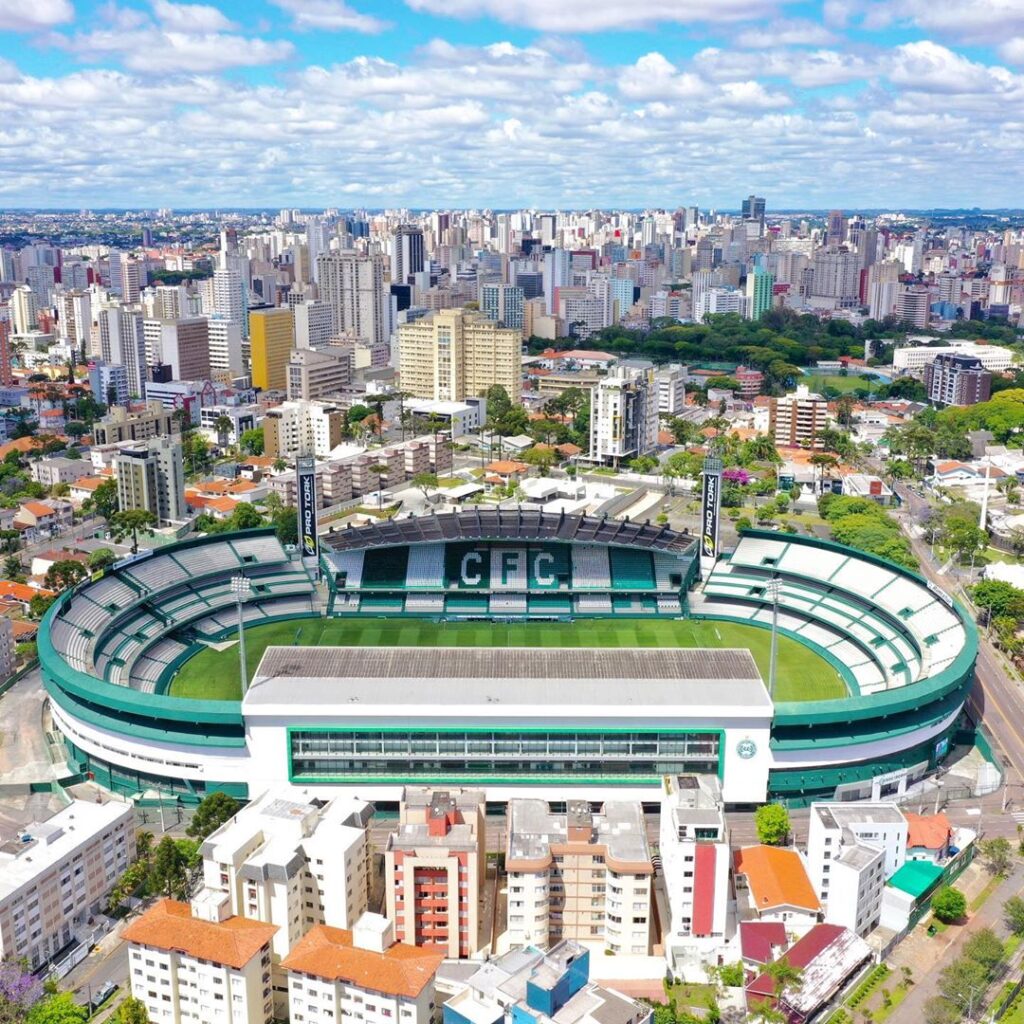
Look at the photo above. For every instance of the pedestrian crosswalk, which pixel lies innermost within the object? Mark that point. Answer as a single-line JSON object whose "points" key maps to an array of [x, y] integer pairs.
{"points": [[1018, 816]]}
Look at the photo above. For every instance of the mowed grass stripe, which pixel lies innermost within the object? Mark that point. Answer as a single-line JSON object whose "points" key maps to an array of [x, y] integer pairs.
{"points": [[802, 674]]}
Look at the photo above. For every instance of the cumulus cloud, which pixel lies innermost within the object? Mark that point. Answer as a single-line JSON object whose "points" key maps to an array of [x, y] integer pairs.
{"points": [[333, 15], [791, 32], [18, 16], [599, 15]]}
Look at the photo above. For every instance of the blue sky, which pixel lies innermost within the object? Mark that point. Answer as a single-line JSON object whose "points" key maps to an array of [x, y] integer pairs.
{"points": [[548, 103]]}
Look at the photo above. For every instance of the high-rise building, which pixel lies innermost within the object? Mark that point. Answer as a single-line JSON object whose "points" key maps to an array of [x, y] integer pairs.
{"points": [[798, 418], [318, 373], [837, 276], [122, 424], [314, 324], [151, 476], [957, 380], [230, 298], [75, 315], [503, 303], [760, 285], [435, 870], [122, 342], [54, 882], [225, 342], [836, 230], [883, 285], [352, 284], [182, 957], [556, 273], [6, 378], [457, 353], [109, 383], [271, 338], [624, 413], [913, 306], [302, 428], [579, 875], [752, 208], [406, 253], [184, 346], [24, 310]]}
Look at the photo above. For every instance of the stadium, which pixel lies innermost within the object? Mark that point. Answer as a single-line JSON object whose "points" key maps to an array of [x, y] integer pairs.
{"points": [[520, 651]]}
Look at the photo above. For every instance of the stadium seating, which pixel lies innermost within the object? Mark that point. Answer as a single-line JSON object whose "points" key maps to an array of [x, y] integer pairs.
{"points": [[385, 567], [590, 567], [631, 569], [888, 629], [426, 566]]}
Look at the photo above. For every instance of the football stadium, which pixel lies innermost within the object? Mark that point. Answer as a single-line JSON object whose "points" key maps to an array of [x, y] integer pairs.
{"points": [[522, 652]]}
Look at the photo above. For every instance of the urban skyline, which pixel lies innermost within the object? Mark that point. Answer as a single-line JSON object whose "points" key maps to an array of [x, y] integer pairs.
{"points": [[481, 104]]}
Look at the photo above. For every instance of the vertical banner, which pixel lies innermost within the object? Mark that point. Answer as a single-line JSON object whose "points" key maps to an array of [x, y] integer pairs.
{"points": [[710, 510], [305, 471]]}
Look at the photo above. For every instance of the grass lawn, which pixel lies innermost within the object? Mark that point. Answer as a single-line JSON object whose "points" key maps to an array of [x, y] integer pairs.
{"points": [[803, 675], [694, 995], [840, 383]]}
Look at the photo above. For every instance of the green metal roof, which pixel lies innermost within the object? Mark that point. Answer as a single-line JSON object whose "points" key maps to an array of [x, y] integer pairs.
{"points": [[916, 877]]}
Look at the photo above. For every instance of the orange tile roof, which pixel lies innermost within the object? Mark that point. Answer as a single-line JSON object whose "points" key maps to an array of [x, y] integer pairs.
{"points": [[505, 467], [169, 925], [402, 970], [23, 630], [21, 444], [930, 831], [776, 877], [87, 483], [222, 504], [21, 591], [37, 508]]}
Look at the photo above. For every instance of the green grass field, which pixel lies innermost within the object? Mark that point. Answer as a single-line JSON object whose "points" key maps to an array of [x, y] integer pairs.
{"points": [[840, 383], [803, 675]]}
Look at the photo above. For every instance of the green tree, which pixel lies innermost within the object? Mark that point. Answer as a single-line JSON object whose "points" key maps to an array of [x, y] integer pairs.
{"points": [[252, 441], [938, 1010], [39, 604], [223, 425], [643, 464], [211, 813], [985, 948], [246, 516], [131, 523], [13, 567], [540, 456], [426, 482], [104, 500], [1013, 915], [997, 854], [784, 976], [279, 465], [999, 597], [964, 539], [286, 524], [949, 905], [131, 1011], [64, 573], [731, 975], [59, 1008], [964, 983], [772, 824], [168, 875], [101, 558]]}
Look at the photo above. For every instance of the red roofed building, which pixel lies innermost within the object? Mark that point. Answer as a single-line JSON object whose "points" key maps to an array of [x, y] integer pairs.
{"points": [[928, 836], [772, 885]]}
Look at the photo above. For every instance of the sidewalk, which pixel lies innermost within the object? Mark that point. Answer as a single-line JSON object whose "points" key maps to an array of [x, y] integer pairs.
{"points": [[919, 951]]}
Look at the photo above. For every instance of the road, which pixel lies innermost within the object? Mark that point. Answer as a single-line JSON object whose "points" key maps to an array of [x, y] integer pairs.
{"points": [[24, 751]]}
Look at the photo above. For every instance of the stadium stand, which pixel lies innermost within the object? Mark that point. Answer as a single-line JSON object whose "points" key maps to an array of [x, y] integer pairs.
{"points": [[128, 628], [885, 627]]}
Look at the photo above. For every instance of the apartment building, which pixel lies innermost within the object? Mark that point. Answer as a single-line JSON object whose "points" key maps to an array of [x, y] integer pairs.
{"points": [[293, 864], [671, 384], [183, 345], [138, 424], [361, 975], [694, 847], [798, 418], [435, 868], [271, 337], [957, 380], [56, 874], [624, 413], [151, 476], [852, 849], [579, 875], [302, 428], [199, 965], [525, 986], [318, 373], [457, 353]]}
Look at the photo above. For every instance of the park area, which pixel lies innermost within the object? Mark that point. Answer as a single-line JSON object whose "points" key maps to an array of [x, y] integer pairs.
{"points": [[214, 674]]}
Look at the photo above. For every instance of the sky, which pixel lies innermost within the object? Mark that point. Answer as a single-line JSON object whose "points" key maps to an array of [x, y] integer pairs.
{"points": [[567, 104]]}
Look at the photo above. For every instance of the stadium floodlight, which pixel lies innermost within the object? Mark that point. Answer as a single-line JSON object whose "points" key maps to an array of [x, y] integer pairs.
{"points": [[774, 586], [241, 587]]}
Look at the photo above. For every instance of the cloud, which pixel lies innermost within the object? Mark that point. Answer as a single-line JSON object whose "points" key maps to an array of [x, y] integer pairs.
{"points": [[334, 15], [19, 16], [179, 38], [578, 16], [793, 32]]}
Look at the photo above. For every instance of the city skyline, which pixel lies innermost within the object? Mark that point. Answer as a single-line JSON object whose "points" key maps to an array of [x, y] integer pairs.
{"points": [[468, 104]]}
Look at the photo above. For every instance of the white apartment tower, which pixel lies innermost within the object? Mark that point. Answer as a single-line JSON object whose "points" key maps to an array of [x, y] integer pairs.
{"points": [[352, 284], [122, 342], [624, 413]]}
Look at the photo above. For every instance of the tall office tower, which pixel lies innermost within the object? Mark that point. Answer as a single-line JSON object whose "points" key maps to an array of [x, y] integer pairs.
{"points": [[225, 343], [503, 303], [867, 246], [752, 208], [41, 280], [230, 298], [704, 256], [131, 280], [114, 260], [624, 413], [457, 353], [882, 287], [557, 273], [184, 346], [531, 282], [170, 302], [151, 476], [406, 253], [122, 342], [8, 271], [314, 324], [6, 378], [548, 229], [74, 274], [836, 231], [74, 313], [950, 288], [317, 242], [352, 284], [24, 309], [271, 338], [837, 276], [913, 306], [759, 293]]}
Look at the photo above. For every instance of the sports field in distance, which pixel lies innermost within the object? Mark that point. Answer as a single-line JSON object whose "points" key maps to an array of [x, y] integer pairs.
{"points": [[802, 674]]}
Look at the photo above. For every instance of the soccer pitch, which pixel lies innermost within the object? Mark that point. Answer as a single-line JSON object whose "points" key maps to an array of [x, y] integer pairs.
{"points": [[802, 674]]}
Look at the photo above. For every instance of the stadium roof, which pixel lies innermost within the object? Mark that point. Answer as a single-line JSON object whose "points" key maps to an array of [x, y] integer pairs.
{"points": [[509, 524], [445, 676]]}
